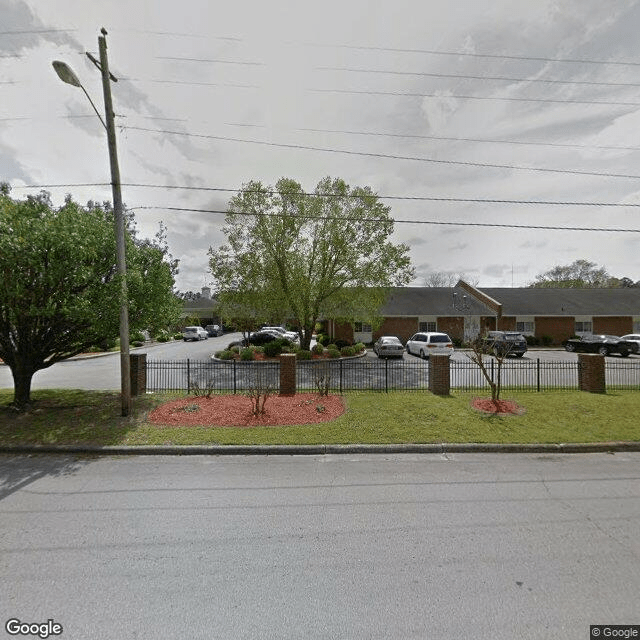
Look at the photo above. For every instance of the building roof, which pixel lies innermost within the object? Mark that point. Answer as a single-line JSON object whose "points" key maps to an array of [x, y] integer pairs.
{"points": [[467, 301]]}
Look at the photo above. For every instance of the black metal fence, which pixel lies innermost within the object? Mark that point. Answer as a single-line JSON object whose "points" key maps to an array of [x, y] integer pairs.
{"points": [[365, 374]]}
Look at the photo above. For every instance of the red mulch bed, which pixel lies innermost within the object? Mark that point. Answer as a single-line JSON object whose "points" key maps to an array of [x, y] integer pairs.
{"points": [[235, 411], [498, 407]]}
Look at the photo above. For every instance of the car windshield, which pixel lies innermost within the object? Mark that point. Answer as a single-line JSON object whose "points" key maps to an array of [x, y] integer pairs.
{"points": [[513, 336]]}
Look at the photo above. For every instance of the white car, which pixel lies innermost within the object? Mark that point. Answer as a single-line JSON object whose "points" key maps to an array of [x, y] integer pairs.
{"points": [[633, 337], [426, 343], [289, 335], [194, 333]]}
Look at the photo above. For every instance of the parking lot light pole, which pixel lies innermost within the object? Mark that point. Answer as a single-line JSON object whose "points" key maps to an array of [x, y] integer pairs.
{"points": [[67, 75]]}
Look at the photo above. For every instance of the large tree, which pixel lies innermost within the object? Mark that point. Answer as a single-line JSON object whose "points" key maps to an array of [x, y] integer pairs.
{"points": [[306, 256], [59, 289], [580, 274]]}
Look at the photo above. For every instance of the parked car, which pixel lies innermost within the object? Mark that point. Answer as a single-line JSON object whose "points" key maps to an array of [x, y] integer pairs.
{"points": [[214, 330], [258, 339], [194, 333], [602, 344], [425, 344], [505, 343], [388, 347], [633, 337], [289, 335]]}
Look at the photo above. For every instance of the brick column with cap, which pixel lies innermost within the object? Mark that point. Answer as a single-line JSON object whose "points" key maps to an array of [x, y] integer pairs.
{"points": [[439, 376], [138, 373], [287, 374], [591, 376]]}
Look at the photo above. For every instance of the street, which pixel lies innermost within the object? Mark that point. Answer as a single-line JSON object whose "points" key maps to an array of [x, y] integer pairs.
{"points": [[358, 547]]}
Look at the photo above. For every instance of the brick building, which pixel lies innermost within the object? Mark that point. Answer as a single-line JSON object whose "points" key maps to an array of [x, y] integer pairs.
{"points": [[464, 311]]}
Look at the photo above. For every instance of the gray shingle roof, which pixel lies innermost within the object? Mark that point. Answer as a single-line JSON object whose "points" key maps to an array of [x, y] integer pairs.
{"points": [[439, 301]]}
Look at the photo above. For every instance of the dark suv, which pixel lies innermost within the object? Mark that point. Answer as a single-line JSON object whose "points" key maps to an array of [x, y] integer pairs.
{"points": [[502, 343]]}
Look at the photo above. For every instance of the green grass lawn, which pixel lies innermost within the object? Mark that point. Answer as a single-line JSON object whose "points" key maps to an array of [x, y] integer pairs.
{"points": [[92, 418]]}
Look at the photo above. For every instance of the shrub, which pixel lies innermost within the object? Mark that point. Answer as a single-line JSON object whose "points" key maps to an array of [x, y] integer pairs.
{"points": [[137, 343], [342, 343], [303, 354], [532, 341], [324, 339], [247, 354], [359, 347], [546, 341], [234, 348], [333, 353], [348, 351], [333, 346], [318, 349], [276, 347], [177, 336], [163, 337], [137, 337], [225, 355]]}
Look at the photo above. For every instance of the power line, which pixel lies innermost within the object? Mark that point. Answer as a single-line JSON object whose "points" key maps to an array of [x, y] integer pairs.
{"points": [[461, 139], [339, 195], [427, 222], [485, 165], [472, 77], [217, 61], [466, 97], [465, 54]]}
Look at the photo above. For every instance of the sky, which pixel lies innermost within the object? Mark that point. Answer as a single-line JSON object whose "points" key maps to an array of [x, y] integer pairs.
{"points": [[463, 115]]}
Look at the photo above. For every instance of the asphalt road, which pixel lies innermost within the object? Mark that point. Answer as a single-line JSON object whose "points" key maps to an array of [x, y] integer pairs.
{"points": [[382, 547]]}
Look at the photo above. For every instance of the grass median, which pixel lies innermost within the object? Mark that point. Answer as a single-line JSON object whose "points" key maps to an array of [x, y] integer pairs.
{"points": [[92, 418]]}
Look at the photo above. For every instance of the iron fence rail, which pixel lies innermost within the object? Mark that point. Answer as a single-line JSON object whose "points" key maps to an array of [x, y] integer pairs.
{"points": [[377, 375]]}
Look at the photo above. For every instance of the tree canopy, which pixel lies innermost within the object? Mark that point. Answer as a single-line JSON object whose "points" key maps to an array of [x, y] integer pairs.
{"points": [[580, 274], [59, 289], [304, 256]]}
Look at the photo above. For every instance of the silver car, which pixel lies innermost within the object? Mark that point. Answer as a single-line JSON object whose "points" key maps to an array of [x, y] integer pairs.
{"points": [[194, 333], [388, 347]]}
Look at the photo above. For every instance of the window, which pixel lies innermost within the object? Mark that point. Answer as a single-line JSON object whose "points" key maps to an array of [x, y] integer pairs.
{"points": [[583, 326], [525, 327], [361, 327], [428, 326]]}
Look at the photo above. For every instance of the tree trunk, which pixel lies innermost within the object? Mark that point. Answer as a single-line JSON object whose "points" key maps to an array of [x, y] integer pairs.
{"points": [[22, 377]]}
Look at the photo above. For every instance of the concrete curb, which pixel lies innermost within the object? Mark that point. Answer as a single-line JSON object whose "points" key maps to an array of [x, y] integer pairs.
{"points": [[323, 449]]}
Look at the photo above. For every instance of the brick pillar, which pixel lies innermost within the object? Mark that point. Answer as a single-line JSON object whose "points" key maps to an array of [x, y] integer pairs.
{"points": [[439, 378], [138, 373], [287, 374], [591, 373]]}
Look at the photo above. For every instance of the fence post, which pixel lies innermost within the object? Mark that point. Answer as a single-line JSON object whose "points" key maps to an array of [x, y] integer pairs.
{"points": [[188, 376], [591, 374], [138, 373], [340, 361], [439, 375], [234, 378], [386, 375], [538, 374]]}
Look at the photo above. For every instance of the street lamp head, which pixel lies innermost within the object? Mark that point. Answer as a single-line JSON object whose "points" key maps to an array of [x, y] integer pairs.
{"points": [[65, 73]]}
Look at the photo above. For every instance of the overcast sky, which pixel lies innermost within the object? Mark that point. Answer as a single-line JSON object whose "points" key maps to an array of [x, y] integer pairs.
{"points": [[467, 101]]}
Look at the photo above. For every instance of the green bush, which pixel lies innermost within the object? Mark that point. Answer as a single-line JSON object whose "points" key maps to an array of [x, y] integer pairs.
{"points": [[303, 354], [323, 339], [532, 341], [163, 337], [333, 353], [136, 337], [359, 347], [318, 349], [224, 355], [342, 343], [333, 346], [247, 354], [276, 347], [137, 343], [348, 351], [234, 349], [546, 341]]}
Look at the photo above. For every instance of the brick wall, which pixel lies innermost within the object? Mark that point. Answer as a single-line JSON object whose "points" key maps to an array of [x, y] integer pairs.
{"points": [[452, 326], [404, 328], [614, 325], [558, 328], [507, 323]]}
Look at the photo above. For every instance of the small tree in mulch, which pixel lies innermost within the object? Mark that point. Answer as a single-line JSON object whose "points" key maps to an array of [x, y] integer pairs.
{"points": [[258, 392], [481, 347]]}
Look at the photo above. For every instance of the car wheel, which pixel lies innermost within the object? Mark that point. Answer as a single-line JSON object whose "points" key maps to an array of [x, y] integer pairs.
{"points": [[423, 355], [570, 347], [624, 353], [184, 339], [603, 351]]}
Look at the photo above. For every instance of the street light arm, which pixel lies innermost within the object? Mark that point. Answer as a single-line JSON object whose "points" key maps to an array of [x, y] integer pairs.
{"points": [[104, 124]]}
